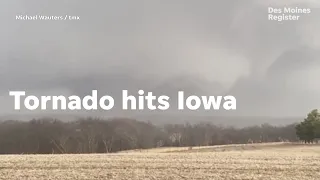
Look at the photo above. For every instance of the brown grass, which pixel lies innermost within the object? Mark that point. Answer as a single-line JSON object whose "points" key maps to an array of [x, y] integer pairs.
{"points": [[263, 161]]}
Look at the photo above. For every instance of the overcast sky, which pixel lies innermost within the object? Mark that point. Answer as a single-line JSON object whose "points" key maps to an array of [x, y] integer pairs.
{"points": [[204, 47]]}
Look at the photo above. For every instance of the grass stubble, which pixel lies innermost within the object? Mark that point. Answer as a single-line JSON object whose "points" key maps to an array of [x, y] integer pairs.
{"points": [[266, 161]]}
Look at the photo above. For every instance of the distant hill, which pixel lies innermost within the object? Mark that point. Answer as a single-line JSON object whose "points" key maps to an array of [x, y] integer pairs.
{"points": [[160, 119], [236, 121]]}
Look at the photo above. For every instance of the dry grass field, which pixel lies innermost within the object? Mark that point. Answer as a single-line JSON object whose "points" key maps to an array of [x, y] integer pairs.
{"points": [[255, 161]]}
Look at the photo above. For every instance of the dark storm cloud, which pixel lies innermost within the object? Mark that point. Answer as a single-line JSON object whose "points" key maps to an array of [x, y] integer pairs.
{"points": [[203, 47]]}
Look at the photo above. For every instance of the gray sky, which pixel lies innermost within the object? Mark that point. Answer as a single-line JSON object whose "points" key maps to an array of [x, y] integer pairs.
{"points": [[205, 47]]}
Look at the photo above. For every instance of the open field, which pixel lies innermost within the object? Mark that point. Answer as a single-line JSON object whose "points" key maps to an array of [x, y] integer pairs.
{"points": [[254, 161]]}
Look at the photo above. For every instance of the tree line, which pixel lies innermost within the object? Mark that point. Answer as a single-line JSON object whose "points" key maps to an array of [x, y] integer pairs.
{"points": [[309, 129], [90, 135]]}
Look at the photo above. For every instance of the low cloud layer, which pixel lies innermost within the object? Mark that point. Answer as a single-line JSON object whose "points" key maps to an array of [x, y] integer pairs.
{"points": [[202, 47]]}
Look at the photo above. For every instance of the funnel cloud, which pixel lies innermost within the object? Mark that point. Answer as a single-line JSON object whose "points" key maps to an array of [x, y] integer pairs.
{"points": [[201, 47]]}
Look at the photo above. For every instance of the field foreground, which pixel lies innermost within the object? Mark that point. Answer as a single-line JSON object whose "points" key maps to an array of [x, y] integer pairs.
{"points": [[273, 161]]}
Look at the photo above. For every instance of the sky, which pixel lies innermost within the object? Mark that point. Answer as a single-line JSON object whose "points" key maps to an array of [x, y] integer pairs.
{"points": [[205, 47]]}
